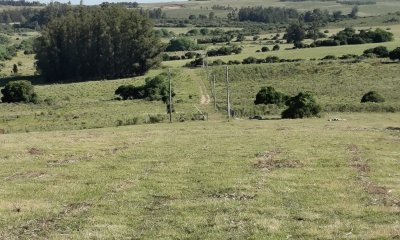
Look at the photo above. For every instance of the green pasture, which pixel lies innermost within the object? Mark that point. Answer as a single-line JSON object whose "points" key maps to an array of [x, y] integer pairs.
{"points": [[82, 164], [277, 179], [336, 86], [93, 105]]}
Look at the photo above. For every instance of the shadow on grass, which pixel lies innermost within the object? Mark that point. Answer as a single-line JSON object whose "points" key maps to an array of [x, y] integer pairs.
{"points": [[35, 80]]}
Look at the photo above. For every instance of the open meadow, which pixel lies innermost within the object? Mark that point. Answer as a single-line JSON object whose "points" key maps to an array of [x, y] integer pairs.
{"points": [[80, 162], [227, 180]]}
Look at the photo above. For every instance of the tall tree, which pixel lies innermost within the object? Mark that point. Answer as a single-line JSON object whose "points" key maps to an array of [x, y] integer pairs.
{"points": [[295, 33], [96, 43]]}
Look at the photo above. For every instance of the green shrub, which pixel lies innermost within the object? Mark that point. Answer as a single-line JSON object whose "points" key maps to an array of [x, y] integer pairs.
{"points": [[395, 54], [372, 96], [269, 95], [249, 60], [380, 51], [182, 44], [301, 106], [154, 89], [19, 91], [264, 49], [329, 57]]}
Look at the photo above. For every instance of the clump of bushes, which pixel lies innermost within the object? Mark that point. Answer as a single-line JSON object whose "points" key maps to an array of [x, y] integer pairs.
{"points": [[372, 96], [182, 44], [301, 106], [329, 57], [380, 51], [224, 51], [19, 91], [268, 95], [214, 40], [154, 89], [349, 36]]}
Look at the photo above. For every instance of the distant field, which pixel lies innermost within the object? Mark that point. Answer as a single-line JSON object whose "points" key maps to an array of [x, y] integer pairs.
{"points": [[184, 9], [286, 52], [279, 179]]}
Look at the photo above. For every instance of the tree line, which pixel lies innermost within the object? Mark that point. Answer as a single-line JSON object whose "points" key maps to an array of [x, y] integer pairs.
{"points": [[35, 18], [285, 15], [21, 3]]}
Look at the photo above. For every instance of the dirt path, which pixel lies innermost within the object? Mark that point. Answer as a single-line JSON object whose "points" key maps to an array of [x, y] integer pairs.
{"points": [[204, 96]]}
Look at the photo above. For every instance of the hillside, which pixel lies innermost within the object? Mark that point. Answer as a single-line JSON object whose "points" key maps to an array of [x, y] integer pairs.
{"points": [[80, 162]]}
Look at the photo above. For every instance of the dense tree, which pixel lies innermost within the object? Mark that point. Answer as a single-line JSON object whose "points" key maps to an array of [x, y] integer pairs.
{"points": [[269, 95], [97, 43], [19, 91], [182, 44], [295, 33], [349, 36], [266, 15], [301, 106]]}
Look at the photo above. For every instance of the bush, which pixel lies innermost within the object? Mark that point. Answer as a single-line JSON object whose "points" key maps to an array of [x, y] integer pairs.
{"points": [[276, 48], [182, 44], [300, 106], [249, 60], [269, 95], [395, 54], [154, 89], [380, 51], [19, 91], [264, 49], [372, 96], [329, 57], [271, 59]]}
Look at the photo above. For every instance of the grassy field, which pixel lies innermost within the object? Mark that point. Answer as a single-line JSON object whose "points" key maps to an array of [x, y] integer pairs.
{"points": [[205, 180], [83, 165], [92, 105], [336, 86], [184, 9]]}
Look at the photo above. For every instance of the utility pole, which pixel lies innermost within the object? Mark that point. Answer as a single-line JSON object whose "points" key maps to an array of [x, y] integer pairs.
{"points": [[214, 93], [227, 93], [170, 96]]}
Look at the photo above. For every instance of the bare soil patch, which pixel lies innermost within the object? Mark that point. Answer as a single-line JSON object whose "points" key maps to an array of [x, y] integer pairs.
{"points": [[232, 196], [267, 161], [24, 175], [35, 151], [379, 194]]}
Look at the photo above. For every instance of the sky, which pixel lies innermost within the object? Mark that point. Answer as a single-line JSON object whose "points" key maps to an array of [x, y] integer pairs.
{"points": [[95, 2]]}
